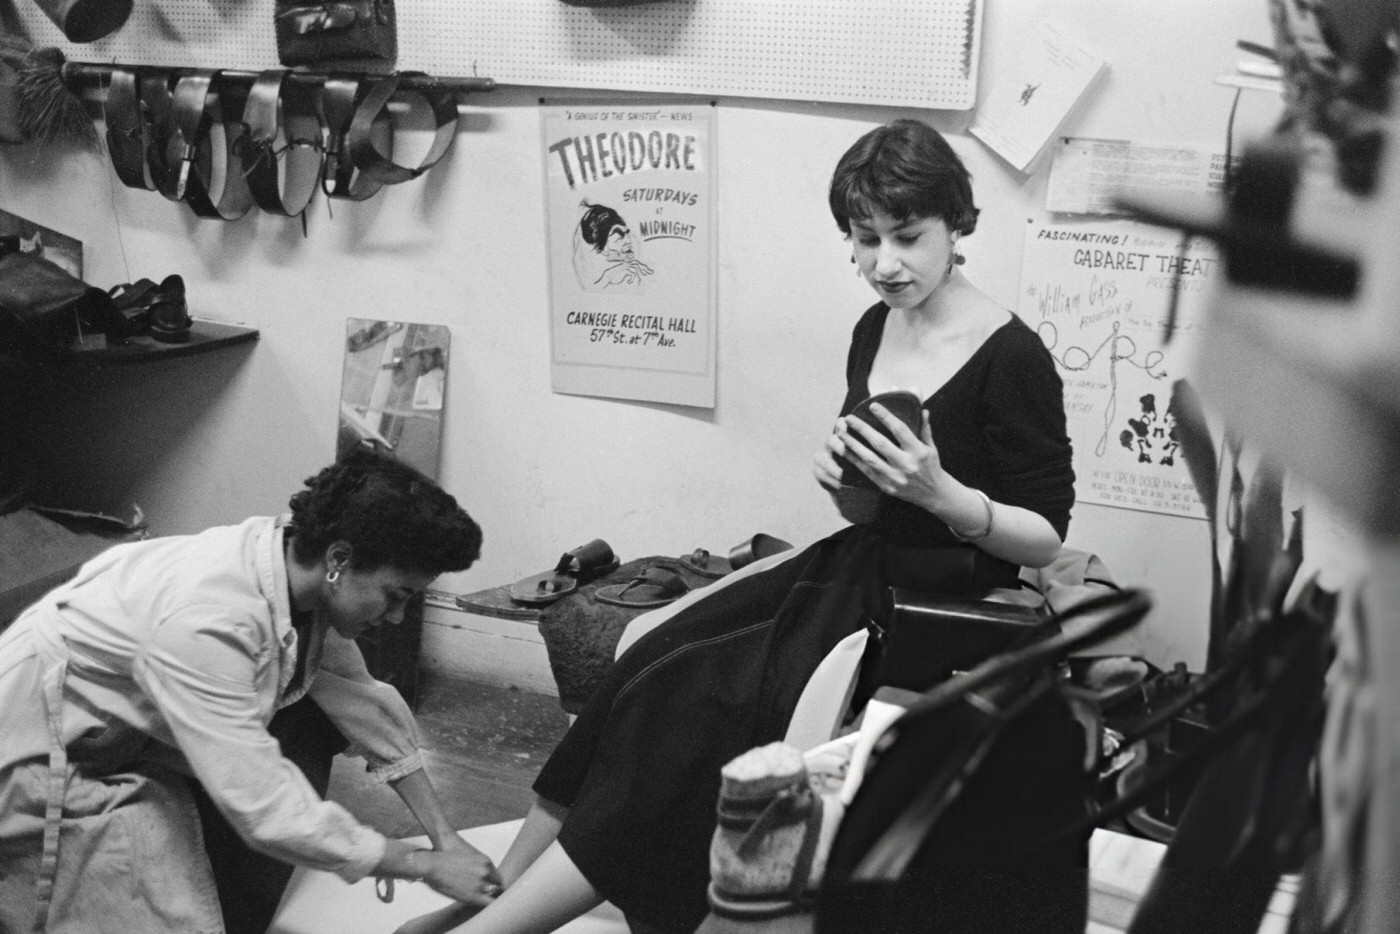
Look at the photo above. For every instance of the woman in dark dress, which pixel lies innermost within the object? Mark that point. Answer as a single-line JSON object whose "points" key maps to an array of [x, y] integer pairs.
{"points": [[626, 804]]}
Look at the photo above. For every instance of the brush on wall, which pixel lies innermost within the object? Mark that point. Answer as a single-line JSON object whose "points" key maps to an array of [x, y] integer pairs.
{"points": [[35, 102], [49, 112]]}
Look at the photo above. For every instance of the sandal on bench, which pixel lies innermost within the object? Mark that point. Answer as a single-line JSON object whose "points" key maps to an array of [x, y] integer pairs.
{"points": [[654, 586], [579, 565], [712, 566]]}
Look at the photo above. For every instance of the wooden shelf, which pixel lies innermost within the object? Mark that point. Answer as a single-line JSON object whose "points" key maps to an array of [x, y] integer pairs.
{"points": [[496, 601], [205, 336]]}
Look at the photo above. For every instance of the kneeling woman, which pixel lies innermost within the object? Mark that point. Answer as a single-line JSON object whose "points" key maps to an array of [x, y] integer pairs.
{"points": [[166, 659]]}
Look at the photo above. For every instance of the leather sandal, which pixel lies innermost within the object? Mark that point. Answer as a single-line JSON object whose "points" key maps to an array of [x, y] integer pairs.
{"points": [[713, 566], [579, 565], [707, 565], [654, 586], [759, 546], [903, 405]]}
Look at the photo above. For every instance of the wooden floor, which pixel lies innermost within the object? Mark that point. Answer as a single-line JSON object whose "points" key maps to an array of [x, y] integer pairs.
{"points": [[482, 747]]}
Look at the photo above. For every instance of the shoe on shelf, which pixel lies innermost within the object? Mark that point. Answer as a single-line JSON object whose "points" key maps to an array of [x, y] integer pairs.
{"points": [[133, 302], [169, 319]]}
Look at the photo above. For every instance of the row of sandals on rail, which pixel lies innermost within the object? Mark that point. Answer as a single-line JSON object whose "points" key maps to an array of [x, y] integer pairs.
{"points": [[223, 142]]}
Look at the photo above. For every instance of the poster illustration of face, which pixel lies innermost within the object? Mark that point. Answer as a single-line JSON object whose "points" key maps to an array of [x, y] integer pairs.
{"points": [[605, 253], [630, 223]]}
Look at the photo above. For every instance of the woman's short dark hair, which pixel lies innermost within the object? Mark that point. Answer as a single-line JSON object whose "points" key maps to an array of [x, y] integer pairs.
{"points": [[391, 514], [598, 221], [903, 169]]}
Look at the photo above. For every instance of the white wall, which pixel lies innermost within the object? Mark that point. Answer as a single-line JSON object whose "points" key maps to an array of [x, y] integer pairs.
{"points": [[211, 439]]}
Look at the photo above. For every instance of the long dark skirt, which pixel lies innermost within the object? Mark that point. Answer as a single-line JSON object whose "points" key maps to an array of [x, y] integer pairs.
{"points": [[640, 768]]}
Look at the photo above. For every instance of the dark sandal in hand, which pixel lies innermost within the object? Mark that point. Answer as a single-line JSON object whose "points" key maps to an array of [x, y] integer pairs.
{"points": [[903, 405]]}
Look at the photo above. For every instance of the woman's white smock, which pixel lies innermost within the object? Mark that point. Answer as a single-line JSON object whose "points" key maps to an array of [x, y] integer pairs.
{"points": [[174, 653]]}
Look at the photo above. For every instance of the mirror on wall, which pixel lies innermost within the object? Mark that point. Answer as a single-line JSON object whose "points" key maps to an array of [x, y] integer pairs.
{"points": [[392, 389]]}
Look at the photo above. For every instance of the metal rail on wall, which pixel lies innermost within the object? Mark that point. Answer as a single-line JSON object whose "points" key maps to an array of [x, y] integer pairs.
{"points": [[82, 76], [226, 140]]}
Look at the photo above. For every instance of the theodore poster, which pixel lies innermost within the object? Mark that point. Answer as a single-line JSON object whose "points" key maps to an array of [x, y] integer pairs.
{"points": [[1099, 295], [630, 218]]}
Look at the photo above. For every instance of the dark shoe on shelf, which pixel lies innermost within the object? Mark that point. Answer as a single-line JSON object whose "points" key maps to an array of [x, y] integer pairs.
{"points": [[169, 316], [133, 301]]}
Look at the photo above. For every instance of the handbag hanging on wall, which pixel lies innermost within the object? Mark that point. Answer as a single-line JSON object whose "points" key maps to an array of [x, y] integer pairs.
{"points": [[335, 31]]}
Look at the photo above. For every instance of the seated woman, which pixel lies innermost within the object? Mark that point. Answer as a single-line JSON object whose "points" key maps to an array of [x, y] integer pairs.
{"points": [[983, 487], [166, 659]]}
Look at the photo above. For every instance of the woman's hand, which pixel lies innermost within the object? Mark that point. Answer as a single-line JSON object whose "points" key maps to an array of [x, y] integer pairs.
{"points": [[827, 463], [910, 470], [856, 504], [460, 872]]}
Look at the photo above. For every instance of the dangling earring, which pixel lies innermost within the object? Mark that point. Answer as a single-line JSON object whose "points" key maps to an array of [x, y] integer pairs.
{"points": [[955, 260]]}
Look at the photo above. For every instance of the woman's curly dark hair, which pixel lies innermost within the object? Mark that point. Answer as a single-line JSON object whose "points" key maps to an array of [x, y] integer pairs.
{"points": [[903, 169], [392, 516]]}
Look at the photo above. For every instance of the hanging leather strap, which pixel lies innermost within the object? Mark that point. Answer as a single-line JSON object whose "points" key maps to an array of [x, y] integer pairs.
{"points": [[189, 128], [208, 115], [341, 98], [379, 166], [282, 147], [158, 108], [126, 129]]}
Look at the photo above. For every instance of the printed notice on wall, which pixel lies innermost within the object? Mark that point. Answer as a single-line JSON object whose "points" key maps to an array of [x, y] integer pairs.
{"points": [[1087, 176], [1048, 75], [630, 214], [1099, 294]]}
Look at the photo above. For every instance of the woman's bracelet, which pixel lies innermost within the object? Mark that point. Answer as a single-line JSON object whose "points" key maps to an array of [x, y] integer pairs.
{"points": [[986, 530]]}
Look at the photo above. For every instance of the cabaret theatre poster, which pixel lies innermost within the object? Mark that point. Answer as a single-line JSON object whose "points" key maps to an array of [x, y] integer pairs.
{"points": [[1100, 294], [630, 212]]}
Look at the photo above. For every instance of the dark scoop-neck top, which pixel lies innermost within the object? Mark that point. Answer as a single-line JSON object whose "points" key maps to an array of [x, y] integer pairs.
{"points": [[998, 423]]}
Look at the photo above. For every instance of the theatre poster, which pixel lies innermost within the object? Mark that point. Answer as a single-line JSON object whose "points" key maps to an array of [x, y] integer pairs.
{"points": [[630, 221], [1099, 293]]}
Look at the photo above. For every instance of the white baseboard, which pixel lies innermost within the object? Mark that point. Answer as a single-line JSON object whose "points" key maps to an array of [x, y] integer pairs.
{"points": [[501, 652]]}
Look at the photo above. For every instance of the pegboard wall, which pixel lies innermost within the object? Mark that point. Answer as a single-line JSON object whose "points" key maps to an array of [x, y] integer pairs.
{"points": [[909, 53]]}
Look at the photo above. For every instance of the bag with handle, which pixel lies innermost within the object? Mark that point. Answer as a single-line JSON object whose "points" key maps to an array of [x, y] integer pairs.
{"points": [[44, 309], [335, 31]]}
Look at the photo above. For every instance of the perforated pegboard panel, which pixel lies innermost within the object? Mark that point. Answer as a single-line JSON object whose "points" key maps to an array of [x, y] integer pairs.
{"points": [[913, 53]]}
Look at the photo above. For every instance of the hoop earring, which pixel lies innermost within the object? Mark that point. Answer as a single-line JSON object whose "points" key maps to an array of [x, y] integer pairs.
{"points": [[332, 576]]}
